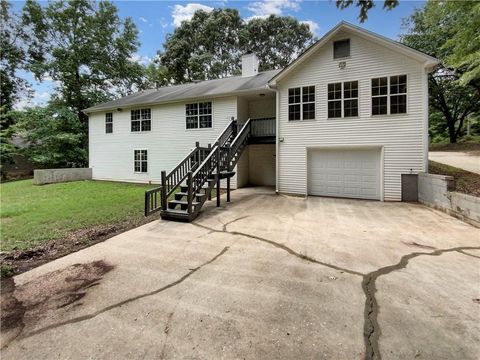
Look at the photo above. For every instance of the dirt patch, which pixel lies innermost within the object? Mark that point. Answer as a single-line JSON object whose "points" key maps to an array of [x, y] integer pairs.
{"points": [[43, 298], [24, 260], [465, 182]]}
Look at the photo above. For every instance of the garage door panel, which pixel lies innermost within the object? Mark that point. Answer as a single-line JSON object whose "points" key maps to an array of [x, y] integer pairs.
{"points": [[344, 173]]}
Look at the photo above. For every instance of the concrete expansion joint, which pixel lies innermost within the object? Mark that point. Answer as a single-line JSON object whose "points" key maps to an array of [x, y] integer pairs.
{"points": [[371, 327], [122, 303]]}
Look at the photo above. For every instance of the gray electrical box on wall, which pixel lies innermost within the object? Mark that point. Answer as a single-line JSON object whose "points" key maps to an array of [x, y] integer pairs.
{"points": [[409, 187]]}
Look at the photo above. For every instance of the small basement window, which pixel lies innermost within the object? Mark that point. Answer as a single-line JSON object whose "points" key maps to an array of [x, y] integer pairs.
{"points": [[198, 115], [141, 120], [341, 49], [140, 161], [301, 103], [109, 123]]}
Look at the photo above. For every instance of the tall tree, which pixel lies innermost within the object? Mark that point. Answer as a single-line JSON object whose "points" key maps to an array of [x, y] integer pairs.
{"points": [[206, 47], [210, 45], [12, 57], [54, 136], [85, 47], [276, 40], [464, 42], [429, 29]]}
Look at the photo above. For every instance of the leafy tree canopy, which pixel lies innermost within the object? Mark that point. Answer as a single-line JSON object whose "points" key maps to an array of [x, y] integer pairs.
{"points": [[54, 136], [85, 47], [430, 30], [210, 45], [365, 6], [12, 57]]}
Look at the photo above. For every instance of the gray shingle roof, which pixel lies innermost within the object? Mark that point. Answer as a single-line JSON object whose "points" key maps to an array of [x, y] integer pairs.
{"points": [[209, 88]]}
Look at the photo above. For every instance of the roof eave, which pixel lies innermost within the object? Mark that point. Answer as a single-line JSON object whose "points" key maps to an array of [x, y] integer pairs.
{"points": [[173, 101]]}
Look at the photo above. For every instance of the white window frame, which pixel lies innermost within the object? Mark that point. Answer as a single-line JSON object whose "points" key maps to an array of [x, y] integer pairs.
{"points": [[141, 161], [301, 103], [343, 98], [198, 115], [108, 122], [388, 95], [140, 120]]}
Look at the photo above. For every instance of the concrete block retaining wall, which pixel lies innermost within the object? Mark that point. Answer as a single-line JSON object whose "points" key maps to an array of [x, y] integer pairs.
{"points": [[435, 191], [50, 176]]}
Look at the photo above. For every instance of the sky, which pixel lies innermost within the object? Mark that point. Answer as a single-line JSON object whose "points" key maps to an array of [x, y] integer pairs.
{"points": [[156, 19]]}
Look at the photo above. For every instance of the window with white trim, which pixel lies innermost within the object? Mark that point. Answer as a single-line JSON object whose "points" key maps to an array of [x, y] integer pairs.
{"points": [[140, 161], [108, 123], [342, 99], [389, 95], [301, 103], [198, 115], [141, 120]]}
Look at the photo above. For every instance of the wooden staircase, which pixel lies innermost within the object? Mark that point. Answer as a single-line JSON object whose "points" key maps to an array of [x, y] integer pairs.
{"points": [[190, 184]]}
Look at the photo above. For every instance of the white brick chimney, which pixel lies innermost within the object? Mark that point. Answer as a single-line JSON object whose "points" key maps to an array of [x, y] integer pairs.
{"points": [[249, 65]]}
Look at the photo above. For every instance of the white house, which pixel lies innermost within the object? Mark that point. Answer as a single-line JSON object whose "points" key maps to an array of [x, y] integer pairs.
{"points": [[349, 118]]}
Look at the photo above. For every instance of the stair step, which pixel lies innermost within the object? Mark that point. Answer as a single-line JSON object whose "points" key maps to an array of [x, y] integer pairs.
{"points": [[181, 194], [182, 202]]}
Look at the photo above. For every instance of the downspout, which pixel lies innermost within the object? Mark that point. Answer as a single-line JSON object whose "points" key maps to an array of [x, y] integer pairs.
{"points": [[277, 114]]}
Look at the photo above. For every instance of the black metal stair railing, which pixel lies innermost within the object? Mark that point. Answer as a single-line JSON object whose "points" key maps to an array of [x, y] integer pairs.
{"points": [[157, 199]]}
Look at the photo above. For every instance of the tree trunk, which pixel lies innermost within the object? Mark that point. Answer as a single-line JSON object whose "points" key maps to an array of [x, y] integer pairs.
{"points": [[452, 134]]}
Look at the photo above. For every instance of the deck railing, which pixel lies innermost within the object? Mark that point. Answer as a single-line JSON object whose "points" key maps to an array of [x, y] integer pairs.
{"points": [[263, 127]]}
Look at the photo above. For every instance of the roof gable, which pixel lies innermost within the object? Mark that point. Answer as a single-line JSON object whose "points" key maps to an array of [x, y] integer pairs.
{"points": [[427, 60]]}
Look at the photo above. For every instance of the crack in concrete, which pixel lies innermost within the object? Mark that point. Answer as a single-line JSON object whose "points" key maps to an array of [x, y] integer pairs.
{"points": [[371, 327], [124, 302], [279, 246], [468, 254]]}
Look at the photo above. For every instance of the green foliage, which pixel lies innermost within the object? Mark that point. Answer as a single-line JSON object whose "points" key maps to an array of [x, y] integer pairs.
{"points": [[276, 40], [6, 270], [54, 137], [31, 215], [12, 57], [7, 150], [464, 42], [451, 101], [85, 47], [210, 45], [365, 6]]}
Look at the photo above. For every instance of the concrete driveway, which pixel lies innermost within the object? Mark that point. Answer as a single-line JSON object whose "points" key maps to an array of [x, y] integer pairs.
{"points": [[266, 276], [466, 160]]}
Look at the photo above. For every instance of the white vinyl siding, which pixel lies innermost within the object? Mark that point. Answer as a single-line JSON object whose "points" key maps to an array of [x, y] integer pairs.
{"points": [[168, 142], [402, 136]]}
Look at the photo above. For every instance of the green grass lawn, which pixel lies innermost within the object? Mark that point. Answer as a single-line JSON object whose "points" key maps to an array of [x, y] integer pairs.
{"points": [[31, 215]]}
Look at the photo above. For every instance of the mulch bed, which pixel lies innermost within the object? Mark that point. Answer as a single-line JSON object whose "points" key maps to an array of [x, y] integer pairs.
{"points": [[465, 182]]}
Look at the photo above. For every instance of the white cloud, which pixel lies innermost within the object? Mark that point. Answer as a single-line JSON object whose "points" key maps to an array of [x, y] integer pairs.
{"points": [[141, 18], [312, 25], [181, 13], [263, 9], [141, 59], [38, 99]]}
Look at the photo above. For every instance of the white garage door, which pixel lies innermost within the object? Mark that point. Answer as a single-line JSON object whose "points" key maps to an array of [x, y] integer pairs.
{"points": [[344, 173]]}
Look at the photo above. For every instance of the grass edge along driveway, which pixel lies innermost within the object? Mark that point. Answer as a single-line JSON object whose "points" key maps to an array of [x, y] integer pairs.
{"points": [[32, 215]]}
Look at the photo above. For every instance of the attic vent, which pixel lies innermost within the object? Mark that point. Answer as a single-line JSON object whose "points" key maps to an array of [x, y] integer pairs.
{"points": [[341, 49]]}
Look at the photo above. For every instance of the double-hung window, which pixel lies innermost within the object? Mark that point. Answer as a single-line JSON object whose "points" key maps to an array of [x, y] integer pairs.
{"points": [[342, 99], [301, 103], [109, 123], [198, 115], [141, 120], [389, 95], [140, 161]]}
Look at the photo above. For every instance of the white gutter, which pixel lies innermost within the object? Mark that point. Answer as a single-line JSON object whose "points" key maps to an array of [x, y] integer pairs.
{"points": [[277, 113]]}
